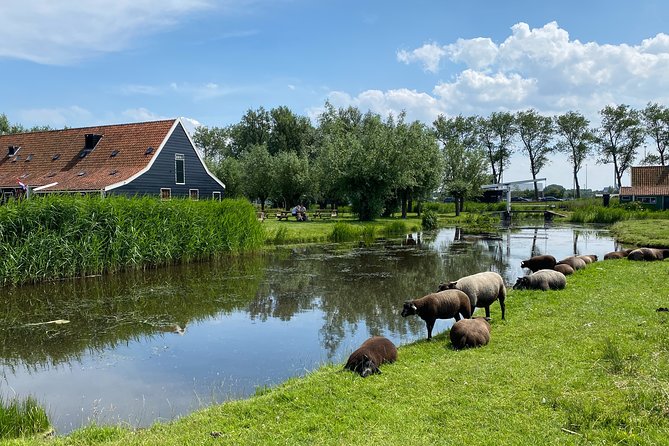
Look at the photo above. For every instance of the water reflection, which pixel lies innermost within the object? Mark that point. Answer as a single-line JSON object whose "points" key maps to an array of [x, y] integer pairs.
{"points": [[154, 345]]}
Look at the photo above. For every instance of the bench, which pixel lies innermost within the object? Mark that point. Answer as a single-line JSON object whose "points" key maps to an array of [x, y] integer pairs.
{"points": [[325, 214], [283, 215]]}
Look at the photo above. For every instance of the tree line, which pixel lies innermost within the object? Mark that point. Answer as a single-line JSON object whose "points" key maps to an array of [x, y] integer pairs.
{"points": [[384, 165]]}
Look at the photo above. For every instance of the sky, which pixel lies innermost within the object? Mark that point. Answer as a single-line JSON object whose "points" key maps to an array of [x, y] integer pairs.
{"points": [[80, 63]]}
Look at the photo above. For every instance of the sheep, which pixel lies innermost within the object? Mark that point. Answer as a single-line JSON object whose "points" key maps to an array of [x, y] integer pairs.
{"points": [[371, 354], [442, 305], [574, 262], [473, 332], [617, 254], [588, 259], [648, 254], [543, 279], [482, 289], [564, 269], [539, 262]]}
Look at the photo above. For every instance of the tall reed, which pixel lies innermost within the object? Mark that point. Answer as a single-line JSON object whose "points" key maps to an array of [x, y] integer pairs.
{"points": [[51, 237], [21, 418]]}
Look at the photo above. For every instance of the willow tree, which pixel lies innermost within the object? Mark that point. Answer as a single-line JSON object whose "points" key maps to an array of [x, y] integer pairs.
{"points": [[496, 134], [656, 121], [535, 132], [576, 139]]}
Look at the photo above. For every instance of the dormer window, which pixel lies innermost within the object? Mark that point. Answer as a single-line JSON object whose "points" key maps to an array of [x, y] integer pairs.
{"points": [[13, 150], [91, 140]]}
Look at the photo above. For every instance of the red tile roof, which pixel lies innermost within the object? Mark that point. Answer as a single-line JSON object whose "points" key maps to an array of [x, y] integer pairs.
{"points": [[650, 176], [644, 190], [36, 164]]}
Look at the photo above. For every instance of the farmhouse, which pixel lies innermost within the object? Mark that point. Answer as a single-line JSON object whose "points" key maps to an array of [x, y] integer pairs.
{"points": [[147, 158], [650, 185]]}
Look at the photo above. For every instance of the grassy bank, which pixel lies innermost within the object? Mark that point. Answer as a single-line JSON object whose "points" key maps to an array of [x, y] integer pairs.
{"points": [[650, 233], [55, 237], [586, 365]]}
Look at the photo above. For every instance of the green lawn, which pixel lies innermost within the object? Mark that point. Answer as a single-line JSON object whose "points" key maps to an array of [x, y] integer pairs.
{"points": [[650, 233], [585, 365]]}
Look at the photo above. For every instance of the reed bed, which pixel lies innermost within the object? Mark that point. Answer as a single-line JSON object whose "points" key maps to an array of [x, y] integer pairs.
{"points": [[54, 237], [22, 418]]}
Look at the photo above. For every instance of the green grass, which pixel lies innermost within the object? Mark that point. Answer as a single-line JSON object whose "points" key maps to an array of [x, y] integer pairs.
{"points": [[650, 233], [20, 418], [585, 365]]}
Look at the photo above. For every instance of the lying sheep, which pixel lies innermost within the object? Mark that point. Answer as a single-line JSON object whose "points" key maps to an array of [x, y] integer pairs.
{"points": [[539, 262], [543, 279], [482, 289], [648, 254], [442, 305], [371, 354], [572, 261], [617, 254], [473, 332], [588, 259], [564, 269]]}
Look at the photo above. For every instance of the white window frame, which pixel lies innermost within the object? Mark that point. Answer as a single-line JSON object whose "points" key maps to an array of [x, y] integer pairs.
{"points": [[216, 195], [169, 193], [179, 157], [197, 194]]}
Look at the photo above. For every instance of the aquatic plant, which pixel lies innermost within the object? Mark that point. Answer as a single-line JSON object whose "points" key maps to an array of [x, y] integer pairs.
{"points": [[344, 232]]}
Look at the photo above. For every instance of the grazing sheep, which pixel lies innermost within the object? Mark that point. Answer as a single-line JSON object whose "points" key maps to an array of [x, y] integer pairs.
{"points": [[617, 254], [648, 254], [588, 259], [482, 288], [473, 332], [539, 262], [543, 279], [564, 269], [573, 261], [371, 354], [442, 305]]}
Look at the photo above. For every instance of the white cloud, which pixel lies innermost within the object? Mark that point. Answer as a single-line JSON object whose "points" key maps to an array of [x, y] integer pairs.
{"points": [[429, 54], [141, 115], [55, 117], [64, 31], [207, 90]]}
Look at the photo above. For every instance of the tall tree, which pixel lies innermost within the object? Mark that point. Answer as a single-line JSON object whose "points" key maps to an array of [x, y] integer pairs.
{"points": [[214, 142], [257, 169], [464, 160], [253, 129], [290, 178], [496, 134], [230, 171], [290, 132], [576, 140], [656, 121], [619, 138], [536, 133]]}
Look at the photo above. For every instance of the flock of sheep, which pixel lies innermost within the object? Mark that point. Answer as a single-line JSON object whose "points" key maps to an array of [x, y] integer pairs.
{"points": [[459, 299]]}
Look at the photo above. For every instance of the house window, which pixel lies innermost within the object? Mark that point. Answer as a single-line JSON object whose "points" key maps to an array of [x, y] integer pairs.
{"points": [[179, 165], [165, 193], [647, 200], [216, 195], [194, 194]]}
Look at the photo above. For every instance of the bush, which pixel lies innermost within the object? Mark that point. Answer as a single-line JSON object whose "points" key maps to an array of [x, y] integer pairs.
{"points": [[430, 220], [344, 232]]}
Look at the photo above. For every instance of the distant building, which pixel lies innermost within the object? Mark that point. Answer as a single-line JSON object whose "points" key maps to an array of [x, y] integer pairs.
{"points": [[650, 186], [147, 158]]}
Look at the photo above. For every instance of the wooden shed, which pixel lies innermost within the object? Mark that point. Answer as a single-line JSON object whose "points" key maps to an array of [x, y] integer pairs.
{"points": [[650, 186], [147, 158]]}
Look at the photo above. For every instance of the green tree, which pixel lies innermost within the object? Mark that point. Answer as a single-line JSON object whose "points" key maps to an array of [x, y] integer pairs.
{"points": [[290, 132], [214, 142], [576, 139], [229, 170], [464, 160], [554, 190], [496, 134], [536, 133], [257, 169], [290, 177], [619, 138], [656, 121], [253, 129]]}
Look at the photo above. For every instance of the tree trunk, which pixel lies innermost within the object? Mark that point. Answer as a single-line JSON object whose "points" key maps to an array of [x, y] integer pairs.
{"points": [[578, 188], [404, 204]]}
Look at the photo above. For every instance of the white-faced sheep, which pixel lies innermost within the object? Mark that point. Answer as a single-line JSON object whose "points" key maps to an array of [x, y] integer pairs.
{"points": [[648, 254], [544, 279], [442, 305], [539, 262], [574, 262], [473, 332], [372, 353], [564, 269], [482, 289]]}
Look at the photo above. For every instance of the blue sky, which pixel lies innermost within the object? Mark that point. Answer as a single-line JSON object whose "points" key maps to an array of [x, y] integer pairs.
{"points": [[87, 62]]}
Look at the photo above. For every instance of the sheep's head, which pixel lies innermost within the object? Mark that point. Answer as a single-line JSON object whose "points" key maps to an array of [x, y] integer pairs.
{"points": [[452, 285], [409, 309], [521, 283], [523, 264], [366, 367], [442, 287]]}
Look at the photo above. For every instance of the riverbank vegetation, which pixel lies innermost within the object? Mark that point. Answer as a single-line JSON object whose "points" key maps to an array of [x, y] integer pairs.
{"points": [[21, 418], [587, 364], [649, 233], [52, 237]]}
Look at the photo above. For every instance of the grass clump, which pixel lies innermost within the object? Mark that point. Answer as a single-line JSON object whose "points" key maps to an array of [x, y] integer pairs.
{"points": [[430, 220], [21, 418], [344, 232]]}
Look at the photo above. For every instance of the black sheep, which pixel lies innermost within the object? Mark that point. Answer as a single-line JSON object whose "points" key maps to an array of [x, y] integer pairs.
{"points": [[442, 305], [371, 354], [536, 263]]}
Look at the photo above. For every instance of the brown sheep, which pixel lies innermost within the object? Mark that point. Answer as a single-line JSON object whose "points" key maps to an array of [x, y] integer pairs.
{"points": [[442, 305], [648, 254], [544, 279], [539, 262], [617, 254], [473, 332], [564, 269], [371, 354], [574, 262], [482, 288], [588, 259]]}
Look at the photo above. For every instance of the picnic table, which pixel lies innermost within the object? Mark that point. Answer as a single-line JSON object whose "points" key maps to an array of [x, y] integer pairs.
{"points": [[324, 213], [283, 215]]}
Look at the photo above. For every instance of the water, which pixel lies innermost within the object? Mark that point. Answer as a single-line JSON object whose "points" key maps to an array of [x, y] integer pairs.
{"points": [[155, 345]]}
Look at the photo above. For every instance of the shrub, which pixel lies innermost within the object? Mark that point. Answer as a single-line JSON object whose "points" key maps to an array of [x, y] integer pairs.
{"points": [[343, 232], [430, 220]]}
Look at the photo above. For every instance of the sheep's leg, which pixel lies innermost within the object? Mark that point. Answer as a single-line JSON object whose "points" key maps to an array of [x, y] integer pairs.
{"points": [[430, 325], [503, 306], [487, 311]]}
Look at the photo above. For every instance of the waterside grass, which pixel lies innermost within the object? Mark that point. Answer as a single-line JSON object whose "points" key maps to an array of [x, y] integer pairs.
{"points": [[649, 233], [21, 418], [585, 365]]}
